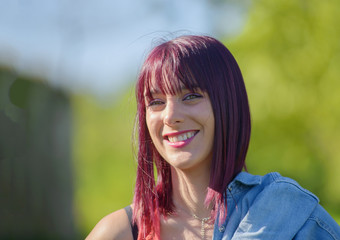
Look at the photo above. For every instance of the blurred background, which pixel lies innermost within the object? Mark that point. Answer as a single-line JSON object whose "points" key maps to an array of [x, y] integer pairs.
{"points": [[67, 106]]}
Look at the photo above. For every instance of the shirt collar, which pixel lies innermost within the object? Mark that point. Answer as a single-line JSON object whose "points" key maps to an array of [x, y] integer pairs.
{"points": [[247, 179]]}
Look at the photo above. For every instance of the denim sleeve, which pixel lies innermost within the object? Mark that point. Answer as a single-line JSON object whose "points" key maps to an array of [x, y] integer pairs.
{"points": [[320, 225], [278, 212]]}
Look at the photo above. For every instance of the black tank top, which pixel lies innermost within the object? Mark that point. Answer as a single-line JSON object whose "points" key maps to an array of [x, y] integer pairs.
{"points": [[134, 227]]}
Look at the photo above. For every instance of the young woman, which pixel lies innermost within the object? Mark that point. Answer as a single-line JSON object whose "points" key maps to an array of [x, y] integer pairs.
{"points": [[194, 127]]}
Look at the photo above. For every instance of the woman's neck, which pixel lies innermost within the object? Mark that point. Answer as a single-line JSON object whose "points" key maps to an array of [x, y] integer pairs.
{"points": [[189, 191]]}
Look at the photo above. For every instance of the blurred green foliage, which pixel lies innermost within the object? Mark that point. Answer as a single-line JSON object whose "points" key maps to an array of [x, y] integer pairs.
{"points": [[103, 157], [289, 54]]}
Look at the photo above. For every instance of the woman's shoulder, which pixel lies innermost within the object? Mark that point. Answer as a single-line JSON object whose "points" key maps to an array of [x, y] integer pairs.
{"points": [[321, 225], [114, 226], [273, 194], [273, 183], [280, 204]]}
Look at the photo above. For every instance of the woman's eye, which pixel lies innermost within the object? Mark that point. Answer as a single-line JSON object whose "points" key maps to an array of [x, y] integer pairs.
{"points": [[155, 103], [192, 96]]}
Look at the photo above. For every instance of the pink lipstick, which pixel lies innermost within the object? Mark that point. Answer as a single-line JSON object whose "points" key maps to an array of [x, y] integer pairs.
{"points": [[180, 139]]}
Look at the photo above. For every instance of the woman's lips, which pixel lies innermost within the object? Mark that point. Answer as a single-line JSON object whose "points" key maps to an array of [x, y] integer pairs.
{"points": [[180, 139]]}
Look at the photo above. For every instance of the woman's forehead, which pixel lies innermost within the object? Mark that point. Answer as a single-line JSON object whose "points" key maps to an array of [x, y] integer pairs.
{"points": [[154, 86], [154, 91]]}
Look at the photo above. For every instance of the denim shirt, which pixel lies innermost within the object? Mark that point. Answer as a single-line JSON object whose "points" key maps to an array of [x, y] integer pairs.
{"points": [[273, 207]]}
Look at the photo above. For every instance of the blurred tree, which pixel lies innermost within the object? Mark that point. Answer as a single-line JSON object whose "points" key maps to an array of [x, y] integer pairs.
{"points": [[35, 165], [289, 53], [103, 156]]}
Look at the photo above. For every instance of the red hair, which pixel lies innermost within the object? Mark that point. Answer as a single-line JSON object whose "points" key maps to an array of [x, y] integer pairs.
{"points": [[196, 62]]}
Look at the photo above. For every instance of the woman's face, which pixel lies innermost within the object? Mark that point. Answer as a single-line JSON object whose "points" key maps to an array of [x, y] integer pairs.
{"points": [[181, 127]]}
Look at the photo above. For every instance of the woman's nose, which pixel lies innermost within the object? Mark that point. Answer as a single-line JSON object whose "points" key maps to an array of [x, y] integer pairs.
{"points": [[173, 113]]}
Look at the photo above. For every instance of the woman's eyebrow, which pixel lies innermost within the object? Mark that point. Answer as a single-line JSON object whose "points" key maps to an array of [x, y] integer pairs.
{"points": [[151, 92], [155, 91]]}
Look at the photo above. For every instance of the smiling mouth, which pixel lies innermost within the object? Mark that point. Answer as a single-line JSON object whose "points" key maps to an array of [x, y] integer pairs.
{"points": [[181, 137]]}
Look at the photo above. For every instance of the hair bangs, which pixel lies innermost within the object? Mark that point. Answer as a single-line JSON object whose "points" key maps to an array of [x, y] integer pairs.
{"points": [[168, 71]]}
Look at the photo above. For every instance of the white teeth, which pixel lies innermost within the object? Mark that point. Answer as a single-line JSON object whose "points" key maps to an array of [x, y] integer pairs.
{"points": [[181, 137]]}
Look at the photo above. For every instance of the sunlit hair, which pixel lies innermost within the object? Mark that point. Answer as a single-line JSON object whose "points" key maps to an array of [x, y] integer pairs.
{"points": [[197, 62]]}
